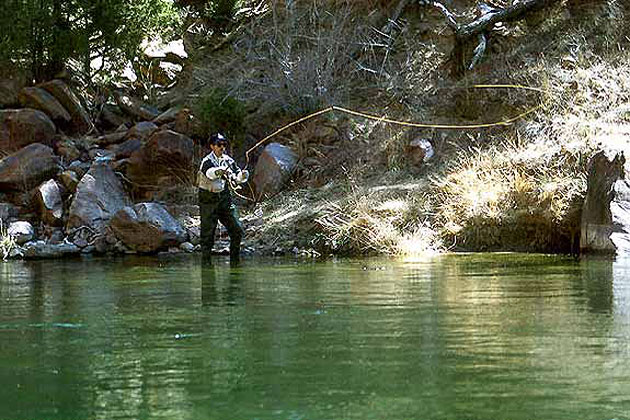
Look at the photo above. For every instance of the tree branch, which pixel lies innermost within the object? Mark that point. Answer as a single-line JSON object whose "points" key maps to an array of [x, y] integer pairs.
{"points": [[488, 20], [483, 24], [479, 50]]}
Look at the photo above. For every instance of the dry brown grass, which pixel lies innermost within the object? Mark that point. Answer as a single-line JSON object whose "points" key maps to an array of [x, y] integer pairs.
{"points": [[515, 198]]}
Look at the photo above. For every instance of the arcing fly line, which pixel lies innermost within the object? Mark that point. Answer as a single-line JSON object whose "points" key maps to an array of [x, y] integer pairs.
{"points": [[402, 123]]}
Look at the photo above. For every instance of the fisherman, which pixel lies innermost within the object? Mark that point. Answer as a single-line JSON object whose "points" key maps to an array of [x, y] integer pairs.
{"points": [[217, 174]]}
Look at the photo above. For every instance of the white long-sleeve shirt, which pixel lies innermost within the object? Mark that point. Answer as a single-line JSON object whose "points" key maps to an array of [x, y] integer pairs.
{"points": [[210, 177]]}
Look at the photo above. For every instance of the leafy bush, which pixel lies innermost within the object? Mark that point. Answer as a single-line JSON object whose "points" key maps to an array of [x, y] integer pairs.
{"points": [[218, 111]]}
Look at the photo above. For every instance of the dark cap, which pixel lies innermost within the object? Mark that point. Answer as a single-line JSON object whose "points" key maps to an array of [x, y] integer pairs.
{"points": [[218, 138]]}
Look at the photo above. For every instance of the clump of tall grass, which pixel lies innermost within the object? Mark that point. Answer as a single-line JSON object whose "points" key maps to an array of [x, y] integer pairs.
{"points": [[7, 242], [525, 198], [378, 223]]}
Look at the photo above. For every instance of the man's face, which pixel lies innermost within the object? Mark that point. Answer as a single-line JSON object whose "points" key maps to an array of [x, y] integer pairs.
{"points": [[218, 148]]}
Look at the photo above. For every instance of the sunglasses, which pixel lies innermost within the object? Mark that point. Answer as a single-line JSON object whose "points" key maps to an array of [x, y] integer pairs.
{"points": [[221, 145]]}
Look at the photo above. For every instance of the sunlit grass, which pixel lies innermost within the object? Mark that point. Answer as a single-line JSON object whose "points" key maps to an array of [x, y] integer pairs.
{"points": [[7, 243]]}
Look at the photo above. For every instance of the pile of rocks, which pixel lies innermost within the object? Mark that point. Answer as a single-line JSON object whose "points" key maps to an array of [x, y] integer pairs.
{"points": [[67, 183]]}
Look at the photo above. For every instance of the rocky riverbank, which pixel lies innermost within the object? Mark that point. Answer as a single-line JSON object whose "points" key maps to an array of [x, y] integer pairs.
{"points": [[122, 184]]}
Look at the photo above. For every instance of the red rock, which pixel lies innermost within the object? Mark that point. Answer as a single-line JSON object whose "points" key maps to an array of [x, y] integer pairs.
{"points": [[80, 120], [166, 159], [21, 127], [28, 167], [38, 98]]}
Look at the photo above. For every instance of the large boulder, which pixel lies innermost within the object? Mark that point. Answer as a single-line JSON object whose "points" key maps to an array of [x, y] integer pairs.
{"points": [[80, 120], [147, 227], [9, 90], [111, 138], [111, 117], [127, 148], [606, 212], [28, 167], [38, 98], [141, 130], [21, 127], [135, 108], [21, 232], [99, 196], [168, 116], [273, 169], [49, 203], [165, 159]]}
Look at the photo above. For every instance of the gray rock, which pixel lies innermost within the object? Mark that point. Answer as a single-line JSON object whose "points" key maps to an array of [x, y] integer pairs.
{"points": [[135, 107], [99, 196], [79, 167], [167, 116], [273, 169], [21, 232], [67, 149], [101, 155], [28, 167], [112, 138], [187, 247], [194, 234], [126, 149], [49, 202], [57, 236], [147, 227], [21, 127], [122, 128], [111, 117], [605, 225], [41, 249]]}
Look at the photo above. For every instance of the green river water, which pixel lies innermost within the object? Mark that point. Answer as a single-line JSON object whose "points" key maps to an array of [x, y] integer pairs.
{"points": [[487, 336]]}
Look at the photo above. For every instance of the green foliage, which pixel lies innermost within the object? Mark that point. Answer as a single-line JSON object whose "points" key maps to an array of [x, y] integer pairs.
{"points": [[218, 111], [42, 35]]}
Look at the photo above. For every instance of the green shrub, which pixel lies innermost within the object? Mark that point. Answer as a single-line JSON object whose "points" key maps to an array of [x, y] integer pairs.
{"points": [[218, 111]]}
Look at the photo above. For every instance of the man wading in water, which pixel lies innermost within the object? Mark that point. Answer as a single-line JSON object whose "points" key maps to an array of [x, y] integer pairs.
{"points": [[216, 173]]}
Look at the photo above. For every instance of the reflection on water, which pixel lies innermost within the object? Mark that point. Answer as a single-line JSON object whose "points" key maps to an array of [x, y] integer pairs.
{"points": [[455, 337]]}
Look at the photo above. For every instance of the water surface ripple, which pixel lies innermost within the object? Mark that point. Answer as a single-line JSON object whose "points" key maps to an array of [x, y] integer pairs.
{"points": [[488, 336]]}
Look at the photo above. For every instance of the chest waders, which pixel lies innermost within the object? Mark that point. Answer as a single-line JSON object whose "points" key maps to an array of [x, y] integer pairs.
{"points": [[218, 207]]}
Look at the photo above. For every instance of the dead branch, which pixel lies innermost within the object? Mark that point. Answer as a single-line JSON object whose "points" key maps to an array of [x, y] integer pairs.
{"points": [[483, 24]]}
